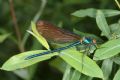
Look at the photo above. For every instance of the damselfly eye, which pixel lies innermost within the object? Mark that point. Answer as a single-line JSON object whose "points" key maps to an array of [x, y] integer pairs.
{"points": [[94, 41], [87, 40]]}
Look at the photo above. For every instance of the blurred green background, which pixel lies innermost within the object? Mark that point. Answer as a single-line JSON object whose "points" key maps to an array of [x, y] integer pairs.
{"points": [[57, 12]]}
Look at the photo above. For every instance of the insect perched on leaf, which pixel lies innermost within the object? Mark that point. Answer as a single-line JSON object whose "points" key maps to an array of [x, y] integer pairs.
{"points": [[55, 34]]}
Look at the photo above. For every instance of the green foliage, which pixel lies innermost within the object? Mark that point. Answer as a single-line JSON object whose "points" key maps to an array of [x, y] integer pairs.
{"points": [[59, 64], [91, 12], [18, 61], [117, 76], [67, 75], [102, 24], [4, 37], [75, 65], [107, 68], [86, 66], [41, 39], [76, 75], [107, 50], [115, 29]]}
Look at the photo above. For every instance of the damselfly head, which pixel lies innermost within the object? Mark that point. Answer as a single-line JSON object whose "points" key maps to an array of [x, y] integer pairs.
{"points": [[88, 40]]}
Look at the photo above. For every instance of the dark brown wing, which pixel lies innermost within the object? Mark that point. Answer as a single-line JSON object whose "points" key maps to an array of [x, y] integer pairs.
{"points": [[53, 33]]}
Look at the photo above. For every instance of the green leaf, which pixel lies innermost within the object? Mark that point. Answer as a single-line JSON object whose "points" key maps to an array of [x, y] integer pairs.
{"points": [[102, 24], [115, 29], [18, 61], [117, 75], [31, 71], [26, 73], [41, 40], [67, 75], [4, 37], [107, 50], [33, 26], [22, 73], [116, 60], [107, 68], [91, 12], [59, 64], [110, 12], [76, 75], [39, 37], [84, 77], [81, 63]]}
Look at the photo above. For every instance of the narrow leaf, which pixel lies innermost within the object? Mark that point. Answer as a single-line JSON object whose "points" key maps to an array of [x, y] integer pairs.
{"points": [[22, 73], [18, 61], [76, 75], [91, 12], [66, 75], [102, 24], [59, 64], [107, 68], [110, 12], [117, 75], [39, 37], [116, 60], [83, 64], [107, 50], [115, 29], [4, 36], [33, 26]]}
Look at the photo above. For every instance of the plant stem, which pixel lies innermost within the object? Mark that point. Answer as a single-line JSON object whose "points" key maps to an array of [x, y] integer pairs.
{"points": [[16, 27]]}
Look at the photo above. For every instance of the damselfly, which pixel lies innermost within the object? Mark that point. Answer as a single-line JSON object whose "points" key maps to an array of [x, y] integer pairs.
{"points": [[56, 34]]}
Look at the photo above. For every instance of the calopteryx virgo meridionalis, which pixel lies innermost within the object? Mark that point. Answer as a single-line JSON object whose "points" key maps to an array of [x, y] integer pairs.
{"points": [[56, 34]]}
